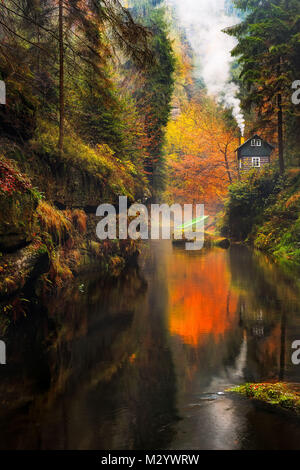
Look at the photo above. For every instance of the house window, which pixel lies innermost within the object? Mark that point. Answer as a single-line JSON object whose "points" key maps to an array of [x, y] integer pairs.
{"points": [[256, 162], [240, 163], [258, 143], [253, 143]]}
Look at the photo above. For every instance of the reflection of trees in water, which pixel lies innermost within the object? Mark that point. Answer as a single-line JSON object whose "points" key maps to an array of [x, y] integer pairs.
{"points": [[203, 320], [269, 309], [201, 301], [91, 367], [98, 375]]}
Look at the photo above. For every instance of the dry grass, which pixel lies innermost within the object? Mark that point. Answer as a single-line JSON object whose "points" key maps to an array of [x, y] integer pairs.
{"points": [[54, 222], [79, 219]]}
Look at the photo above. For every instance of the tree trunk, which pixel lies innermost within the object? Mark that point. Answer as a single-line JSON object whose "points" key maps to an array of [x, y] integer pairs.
{"points": [[280, 134], [61, 79], [227, 167]]}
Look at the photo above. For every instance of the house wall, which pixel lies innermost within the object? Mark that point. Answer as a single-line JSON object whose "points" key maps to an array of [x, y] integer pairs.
{"points": [[247, 163]]}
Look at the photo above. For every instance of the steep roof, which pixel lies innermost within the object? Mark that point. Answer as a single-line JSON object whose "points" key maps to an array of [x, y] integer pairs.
{"points": [[256, 136]]}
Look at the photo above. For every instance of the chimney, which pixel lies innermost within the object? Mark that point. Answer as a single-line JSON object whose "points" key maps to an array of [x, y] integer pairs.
{"points": [[242, 140]]}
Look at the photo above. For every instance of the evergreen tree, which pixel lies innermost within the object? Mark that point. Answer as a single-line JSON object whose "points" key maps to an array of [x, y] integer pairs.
{"points": [[154, 97], [268, 46], [54, 51]]}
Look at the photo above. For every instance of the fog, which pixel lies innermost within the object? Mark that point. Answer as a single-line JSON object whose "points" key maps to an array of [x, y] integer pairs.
{"points": [[203, 21]]}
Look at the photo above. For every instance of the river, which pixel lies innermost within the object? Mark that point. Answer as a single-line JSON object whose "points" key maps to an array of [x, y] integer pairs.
{"points": [[143, 362]]}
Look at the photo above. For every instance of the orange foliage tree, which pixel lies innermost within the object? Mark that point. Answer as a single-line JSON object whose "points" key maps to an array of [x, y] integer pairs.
{"points": [[200, 150]]}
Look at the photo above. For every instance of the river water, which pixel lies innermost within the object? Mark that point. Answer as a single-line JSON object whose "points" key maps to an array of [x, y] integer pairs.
{"points": [[143, 363]]}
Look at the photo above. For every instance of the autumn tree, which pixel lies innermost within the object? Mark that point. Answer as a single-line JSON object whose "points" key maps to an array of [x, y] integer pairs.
{"points": [[200, 151]]}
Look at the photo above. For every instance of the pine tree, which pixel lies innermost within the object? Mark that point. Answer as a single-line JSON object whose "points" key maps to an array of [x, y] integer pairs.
{"points": [[268, 41], [154, 97], [54, 51]]}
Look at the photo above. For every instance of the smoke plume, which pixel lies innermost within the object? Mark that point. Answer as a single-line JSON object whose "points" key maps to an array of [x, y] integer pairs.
{"points": [[203, 21]]}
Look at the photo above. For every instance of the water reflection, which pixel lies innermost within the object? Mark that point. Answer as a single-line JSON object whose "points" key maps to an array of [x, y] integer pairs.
{"points": [[143, 362], [88, 371], [202, 303], [232, 316]]}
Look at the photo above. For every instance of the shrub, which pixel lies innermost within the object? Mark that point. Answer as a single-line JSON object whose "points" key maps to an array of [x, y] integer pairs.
{"points": [[11, 180], [247, 201]]}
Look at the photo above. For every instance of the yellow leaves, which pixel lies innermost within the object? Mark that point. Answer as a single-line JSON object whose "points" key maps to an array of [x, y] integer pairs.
{"points": [[184, 136], [198, 143], [184, 63], [101, 162]]}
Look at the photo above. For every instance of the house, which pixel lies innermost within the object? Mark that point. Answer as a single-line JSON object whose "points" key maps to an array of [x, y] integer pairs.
{"points": [[254, 153]]}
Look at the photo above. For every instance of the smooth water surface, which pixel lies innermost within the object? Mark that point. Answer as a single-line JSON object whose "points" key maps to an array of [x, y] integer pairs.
{"points": [[143, 363]]}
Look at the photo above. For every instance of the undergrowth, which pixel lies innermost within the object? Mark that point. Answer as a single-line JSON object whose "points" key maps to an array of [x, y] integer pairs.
{"points": [[280, 394], [120, 176], [264, 210]]}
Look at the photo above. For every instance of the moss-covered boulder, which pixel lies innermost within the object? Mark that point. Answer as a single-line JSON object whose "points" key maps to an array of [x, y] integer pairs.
{"points": [[21, 267], [17, 220], [17, 207]]}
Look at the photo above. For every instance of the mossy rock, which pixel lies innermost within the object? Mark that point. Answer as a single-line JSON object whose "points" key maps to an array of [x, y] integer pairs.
{"points": [[22, 267], [278, 394], [17, 220]]}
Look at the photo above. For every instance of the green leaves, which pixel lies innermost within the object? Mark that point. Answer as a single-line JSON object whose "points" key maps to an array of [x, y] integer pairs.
{"points": [[268, 52]]}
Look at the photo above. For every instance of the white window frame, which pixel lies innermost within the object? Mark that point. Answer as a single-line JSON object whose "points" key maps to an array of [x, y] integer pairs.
{"points": [[258, 143], [253, 142], [256, 162]]}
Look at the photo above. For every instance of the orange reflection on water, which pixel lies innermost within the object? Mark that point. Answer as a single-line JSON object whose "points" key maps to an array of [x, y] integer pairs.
{"points": [[201, 301]]}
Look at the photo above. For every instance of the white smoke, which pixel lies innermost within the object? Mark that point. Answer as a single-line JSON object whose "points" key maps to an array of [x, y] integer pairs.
{"points": [[203, 21]]}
